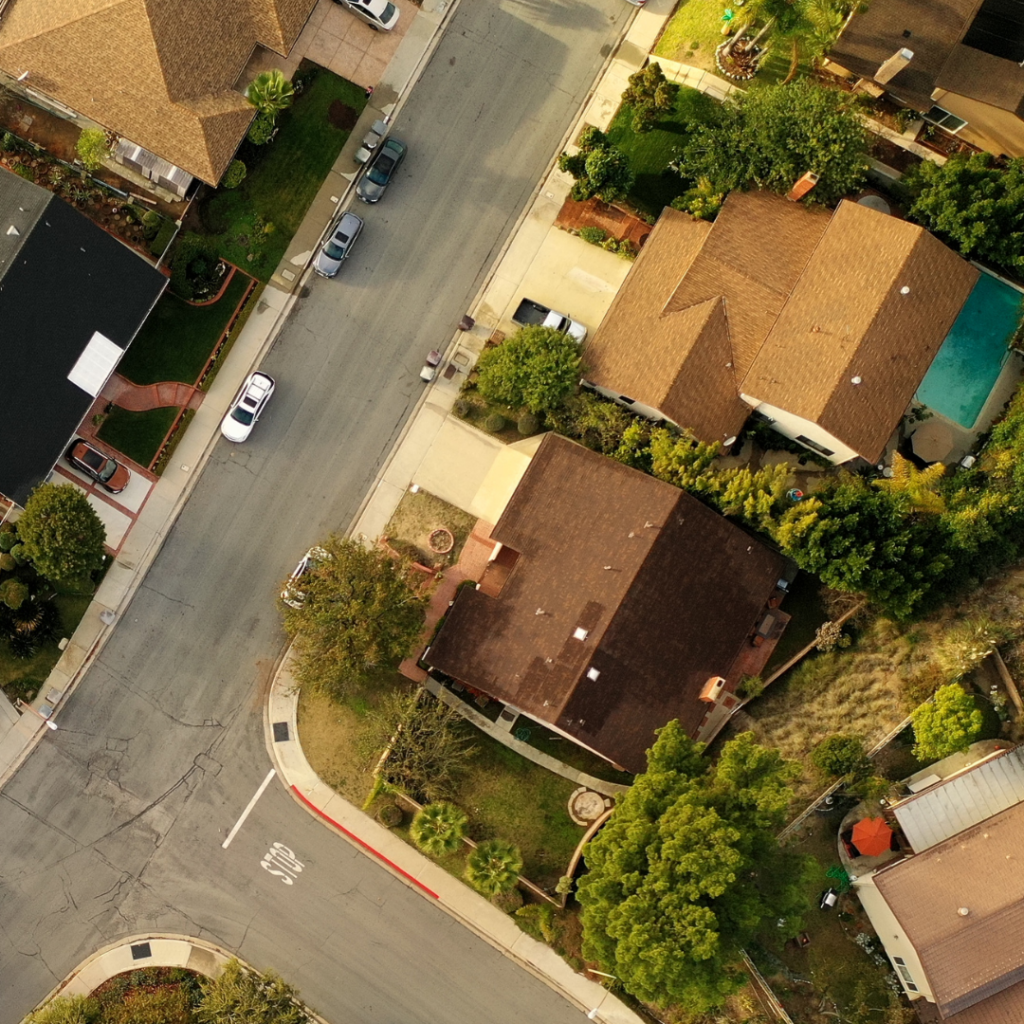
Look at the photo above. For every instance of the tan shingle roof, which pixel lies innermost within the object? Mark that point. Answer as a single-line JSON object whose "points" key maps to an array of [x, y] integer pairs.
{"points": [[668, 591], [699, 298], [967, 958], [847, 317], [158, 72]]}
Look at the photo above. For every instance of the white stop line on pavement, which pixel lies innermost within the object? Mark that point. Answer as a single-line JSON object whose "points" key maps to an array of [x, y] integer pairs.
{"points": [[248, 809]]}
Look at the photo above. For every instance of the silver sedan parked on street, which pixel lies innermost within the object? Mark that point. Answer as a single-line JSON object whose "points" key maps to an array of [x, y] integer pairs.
{"points": [[338, 247]]}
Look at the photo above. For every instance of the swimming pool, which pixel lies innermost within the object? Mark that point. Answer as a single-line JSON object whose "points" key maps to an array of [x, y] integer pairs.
{"points": [[961, 377]]}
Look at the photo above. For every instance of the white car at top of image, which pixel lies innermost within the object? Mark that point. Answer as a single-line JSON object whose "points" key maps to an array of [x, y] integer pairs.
{"points": [[376, 13], [247, 407]]}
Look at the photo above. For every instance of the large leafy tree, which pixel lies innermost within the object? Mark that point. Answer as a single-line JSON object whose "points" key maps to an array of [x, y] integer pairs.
{"points": [[768, 138], [649, 94], [599, 168], [62, 534], [239, 996], [947, 724], [359, 612], [687, 870], [538, 367], [975, 205]]}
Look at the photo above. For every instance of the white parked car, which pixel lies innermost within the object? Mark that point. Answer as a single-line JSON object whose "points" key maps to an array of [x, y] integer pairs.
{"points": [[247, 407], [291, 595], [376, 13]]}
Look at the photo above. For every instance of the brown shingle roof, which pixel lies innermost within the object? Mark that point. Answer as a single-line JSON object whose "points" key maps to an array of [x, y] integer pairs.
{"points": [[697, 305], [981, 76], [847, 317], [967, 958], [158, 72], [668, 591], [875, 35]]}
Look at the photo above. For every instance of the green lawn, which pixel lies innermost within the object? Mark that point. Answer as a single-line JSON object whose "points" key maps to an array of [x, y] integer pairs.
{"points": [[138, 435], [177, 339], [695, 21], [283, 178], [649, 153]]}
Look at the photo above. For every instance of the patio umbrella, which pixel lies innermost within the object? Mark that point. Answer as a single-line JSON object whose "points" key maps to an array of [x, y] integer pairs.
{"points": [[872, 836], [932, 441]]}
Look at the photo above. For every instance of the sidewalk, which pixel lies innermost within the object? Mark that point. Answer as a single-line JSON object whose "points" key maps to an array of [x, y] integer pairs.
{"points": [[19, 733], [468, 907]]}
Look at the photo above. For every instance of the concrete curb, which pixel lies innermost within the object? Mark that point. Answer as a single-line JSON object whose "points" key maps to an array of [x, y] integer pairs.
{"points": [[415, 870]]}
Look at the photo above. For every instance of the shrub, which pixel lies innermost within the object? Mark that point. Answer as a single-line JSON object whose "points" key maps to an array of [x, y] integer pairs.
{"points": [[508, 902], [194, 266], [494, 866], [538, 368], [840, 755], [151, 221], [593, 235], [13, 593], [67, 1010], [7, 541], [829, 635], [462, 407], [19, 554], [24, 171], [528, 424], [438, 829], [947, 725], [92, 148], [234, 175], [494, 423], [10, 143], [390, 814], [261, 129], [62, 534], [538, 920], [7, 563]]}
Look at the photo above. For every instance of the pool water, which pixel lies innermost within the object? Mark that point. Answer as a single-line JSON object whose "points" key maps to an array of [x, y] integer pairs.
{"points": [[962, 375]]}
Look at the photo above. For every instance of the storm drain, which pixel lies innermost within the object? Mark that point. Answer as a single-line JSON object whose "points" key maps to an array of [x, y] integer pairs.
{"points": [[141, 951], [280, 732]]}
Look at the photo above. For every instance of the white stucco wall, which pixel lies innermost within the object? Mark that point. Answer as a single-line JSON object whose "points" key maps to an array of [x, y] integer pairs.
{"points": [[791, 426], [638, 408]]}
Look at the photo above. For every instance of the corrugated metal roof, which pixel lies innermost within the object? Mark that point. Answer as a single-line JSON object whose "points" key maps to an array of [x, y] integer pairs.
{"points": [[956, 804]]}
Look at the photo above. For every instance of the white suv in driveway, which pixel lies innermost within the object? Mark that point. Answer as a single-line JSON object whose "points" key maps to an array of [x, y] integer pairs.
{"points": [[376, 13]]}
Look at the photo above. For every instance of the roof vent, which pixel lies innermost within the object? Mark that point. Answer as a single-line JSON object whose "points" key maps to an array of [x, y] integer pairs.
{"points": [[905, 290], [12, 230], [856, 380], [579, 633], [964, 911], [593, 673]]}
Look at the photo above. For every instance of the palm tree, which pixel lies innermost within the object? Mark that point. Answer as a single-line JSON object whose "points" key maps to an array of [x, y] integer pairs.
{"points": [[494, 866], [270, 93], [438, 829], [809, 24]]}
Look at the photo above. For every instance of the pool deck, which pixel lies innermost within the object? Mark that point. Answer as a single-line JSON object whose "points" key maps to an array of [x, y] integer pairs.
{"points": [[964, 437]]}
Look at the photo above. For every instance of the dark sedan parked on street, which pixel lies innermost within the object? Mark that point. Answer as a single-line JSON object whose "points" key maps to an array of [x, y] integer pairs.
{"points": [[380, 171]]}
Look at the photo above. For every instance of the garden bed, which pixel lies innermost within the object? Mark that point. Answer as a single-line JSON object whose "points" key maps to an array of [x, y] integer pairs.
{"points": [[420, 515], [178, 338], [283, 176], [503, 794]]}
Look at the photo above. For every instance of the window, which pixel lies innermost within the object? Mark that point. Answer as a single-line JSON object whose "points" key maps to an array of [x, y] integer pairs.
{"points": [[627, 401], [944, 119], [908, 978], [814, 446]]}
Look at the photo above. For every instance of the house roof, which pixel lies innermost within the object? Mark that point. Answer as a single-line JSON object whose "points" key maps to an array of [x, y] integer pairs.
{"points": [[849, 317], [159, 72], [62, 280], [973, 956], [668, 591], [955, 804], [934, 32], [696, 307]]}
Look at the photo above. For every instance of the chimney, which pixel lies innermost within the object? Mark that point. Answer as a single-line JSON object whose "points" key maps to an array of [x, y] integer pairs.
{"points": [[893, 66], [803, 185]]}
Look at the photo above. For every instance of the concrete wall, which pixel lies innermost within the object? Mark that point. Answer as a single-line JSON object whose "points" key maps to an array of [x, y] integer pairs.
{"points": [[998, 131]]}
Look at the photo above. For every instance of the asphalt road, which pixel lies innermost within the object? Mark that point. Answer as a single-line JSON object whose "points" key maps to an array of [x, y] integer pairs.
{"points": [[114, 825]]}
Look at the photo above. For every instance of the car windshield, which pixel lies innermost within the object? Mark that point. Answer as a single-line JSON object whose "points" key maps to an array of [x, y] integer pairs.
{"points": [[243, 416], [381, 170], [108, 470], [334, 251], [389, 13]]}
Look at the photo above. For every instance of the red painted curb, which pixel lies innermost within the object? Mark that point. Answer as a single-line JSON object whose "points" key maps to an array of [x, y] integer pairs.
{"points": [[380, 856]]}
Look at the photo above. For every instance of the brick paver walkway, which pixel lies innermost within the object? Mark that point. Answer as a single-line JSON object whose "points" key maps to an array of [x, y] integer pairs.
{"points": [[594, 213], [138, 397]]}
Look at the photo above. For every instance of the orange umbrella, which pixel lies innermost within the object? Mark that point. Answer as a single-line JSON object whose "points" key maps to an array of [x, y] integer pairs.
{"points": [[872, 836]]}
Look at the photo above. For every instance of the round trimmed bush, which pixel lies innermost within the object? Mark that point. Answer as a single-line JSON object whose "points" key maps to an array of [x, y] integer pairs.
{"points": [[494, 423], [260, 130], [7, 541], [7, 563], [13, 593], [508, 902], [593, 235], [19, 554], [462, 407], [528, 424], [390, 815], [234, 175], [151, 221]]}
